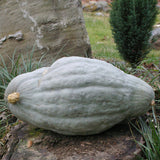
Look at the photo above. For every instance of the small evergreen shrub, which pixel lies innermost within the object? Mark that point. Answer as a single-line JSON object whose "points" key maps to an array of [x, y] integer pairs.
{"points": [[131, 23]]}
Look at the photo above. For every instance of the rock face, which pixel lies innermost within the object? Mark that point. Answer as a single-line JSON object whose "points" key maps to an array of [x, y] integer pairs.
{"points": [[55, 28], [27, 142], [155, 38], [92, 6]]}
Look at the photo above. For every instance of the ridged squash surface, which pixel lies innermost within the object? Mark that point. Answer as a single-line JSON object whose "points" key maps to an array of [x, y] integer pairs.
{"points": [[78, 96]]}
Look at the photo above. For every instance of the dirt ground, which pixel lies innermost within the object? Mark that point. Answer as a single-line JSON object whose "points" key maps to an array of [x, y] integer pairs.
{"points": [[25, 142]]}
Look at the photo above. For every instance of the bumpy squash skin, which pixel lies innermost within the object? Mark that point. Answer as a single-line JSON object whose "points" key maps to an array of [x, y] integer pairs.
{"points": [[78, 96]]}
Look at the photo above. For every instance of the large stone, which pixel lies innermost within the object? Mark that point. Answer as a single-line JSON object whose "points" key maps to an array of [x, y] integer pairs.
{"points": [[92, 6], [55, 28], [30, 143], [155, 38]]}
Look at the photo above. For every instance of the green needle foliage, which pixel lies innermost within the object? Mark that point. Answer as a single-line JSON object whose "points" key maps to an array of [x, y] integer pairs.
{"points": [[131, 23]]}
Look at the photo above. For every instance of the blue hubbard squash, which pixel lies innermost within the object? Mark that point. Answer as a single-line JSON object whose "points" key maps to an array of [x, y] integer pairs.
{"points": [[78, 96]]}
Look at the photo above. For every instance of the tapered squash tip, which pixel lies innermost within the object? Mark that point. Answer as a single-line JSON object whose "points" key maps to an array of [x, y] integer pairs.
{"points": [[152, 103], [13, 97]]}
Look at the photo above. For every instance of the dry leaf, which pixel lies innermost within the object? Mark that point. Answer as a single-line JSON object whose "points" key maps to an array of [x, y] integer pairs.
{"points": [[29, 143]]}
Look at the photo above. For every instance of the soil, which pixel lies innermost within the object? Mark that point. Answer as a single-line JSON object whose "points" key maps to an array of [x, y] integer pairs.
{"points": [[27, 142]]}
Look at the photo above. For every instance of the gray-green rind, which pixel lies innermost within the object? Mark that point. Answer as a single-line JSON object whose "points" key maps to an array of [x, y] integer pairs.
{"points": [[79, 96]]}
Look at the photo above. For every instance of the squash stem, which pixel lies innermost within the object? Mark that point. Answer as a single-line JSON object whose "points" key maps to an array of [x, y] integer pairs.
{"points": [[13, 97]]}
